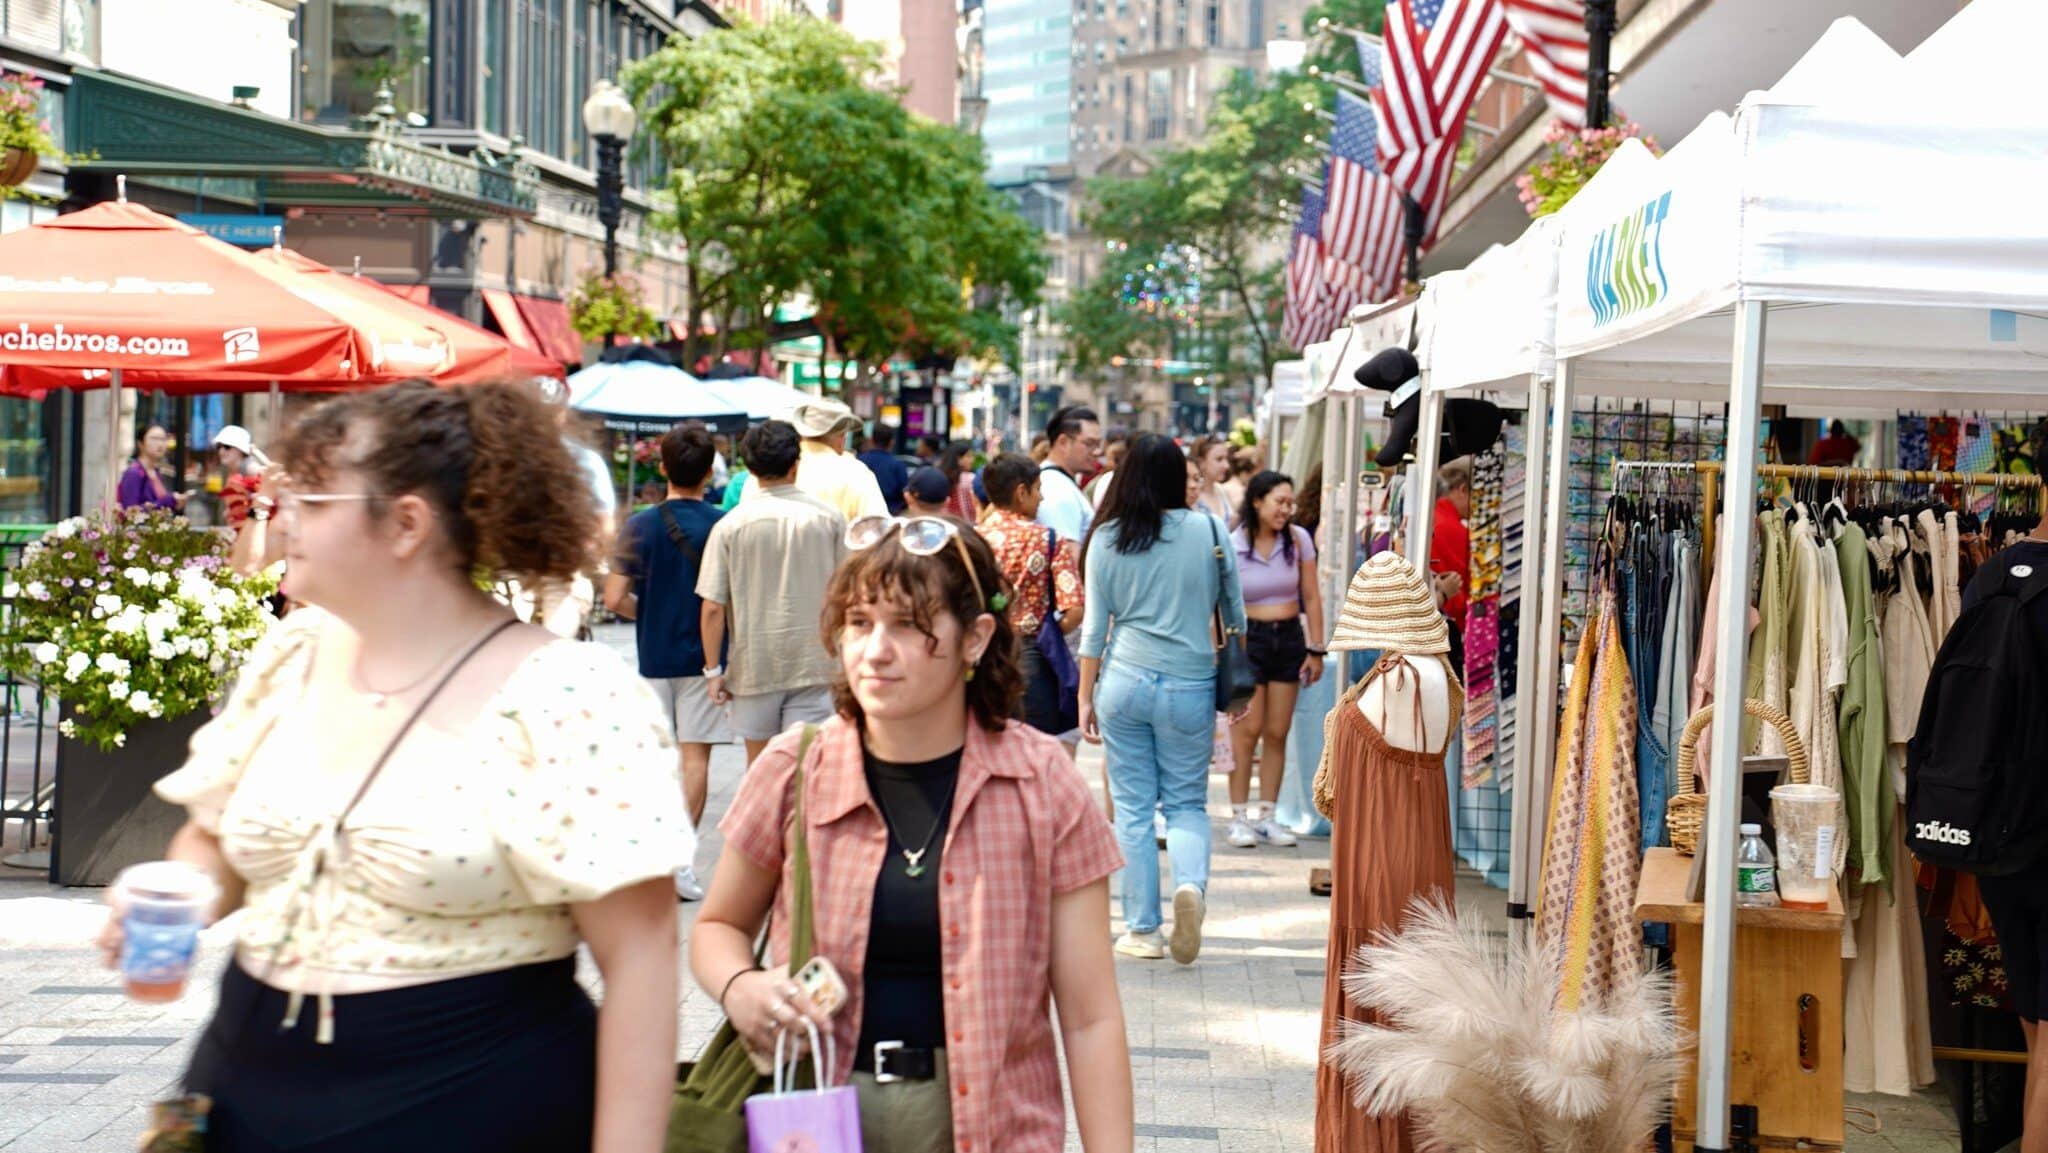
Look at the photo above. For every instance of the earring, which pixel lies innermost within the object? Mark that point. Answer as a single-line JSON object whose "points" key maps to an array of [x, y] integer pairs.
{"points": [[970, 672]]}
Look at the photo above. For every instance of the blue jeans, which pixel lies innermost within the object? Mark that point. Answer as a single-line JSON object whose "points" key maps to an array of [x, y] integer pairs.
{"points": [[1157, 732]]}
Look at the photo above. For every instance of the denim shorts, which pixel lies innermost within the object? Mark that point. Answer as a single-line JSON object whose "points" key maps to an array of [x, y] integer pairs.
{"points": [[1277, 649]]}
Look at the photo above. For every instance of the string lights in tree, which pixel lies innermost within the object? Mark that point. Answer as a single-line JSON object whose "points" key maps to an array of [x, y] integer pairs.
{"points": [[1170, 284]]}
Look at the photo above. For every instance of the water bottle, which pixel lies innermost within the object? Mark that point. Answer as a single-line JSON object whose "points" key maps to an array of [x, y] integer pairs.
{"points": [[1756, 871]]}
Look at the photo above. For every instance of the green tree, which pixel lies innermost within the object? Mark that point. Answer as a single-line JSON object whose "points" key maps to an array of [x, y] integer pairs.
{"points": [[791, 171], [1227, 198]]}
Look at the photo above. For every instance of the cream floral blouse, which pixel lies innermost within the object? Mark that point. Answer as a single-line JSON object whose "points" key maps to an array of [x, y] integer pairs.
{"points": [[466, 853]]}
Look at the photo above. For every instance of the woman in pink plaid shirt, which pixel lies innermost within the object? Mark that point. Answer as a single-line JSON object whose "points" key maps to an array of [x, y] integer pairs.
{"points": [[960, 871]]}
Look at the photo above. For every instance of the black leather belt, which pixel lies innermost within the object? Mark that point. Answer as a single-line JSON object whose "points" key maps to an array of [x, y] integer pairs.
{"points": [[893, 1062]]}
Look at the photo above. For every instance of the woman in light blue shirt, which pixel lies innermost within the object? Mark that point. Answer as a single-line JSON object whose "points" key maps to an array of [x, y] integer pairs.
{"points": [[1154, 571]]}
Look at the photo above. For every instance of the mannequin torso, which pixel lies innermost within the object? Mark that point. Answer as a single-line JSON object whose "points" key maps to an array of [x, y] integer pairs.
{"points": [[1389, 703]]}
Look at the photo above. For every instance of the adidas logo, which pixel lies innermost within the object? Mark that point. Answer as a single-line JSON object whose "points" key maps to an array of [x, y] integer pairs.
{"points": [[1941, 832]]}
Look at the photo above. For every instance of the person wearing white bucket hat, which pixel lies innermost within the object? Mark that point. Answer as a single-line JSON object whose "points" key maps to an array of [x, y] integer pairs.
{"points": [[830, 473]]}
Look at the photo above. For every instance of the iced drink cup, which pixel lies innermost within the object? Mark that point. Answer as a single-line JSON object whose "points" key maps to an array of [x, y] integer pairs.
{"points": [[163, 906], [1807, 820]]}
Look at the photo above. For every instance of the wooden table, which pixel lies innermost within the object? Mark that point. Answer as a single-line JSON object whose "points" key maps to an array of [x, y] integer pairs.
{"points": [[1786, 1022]]}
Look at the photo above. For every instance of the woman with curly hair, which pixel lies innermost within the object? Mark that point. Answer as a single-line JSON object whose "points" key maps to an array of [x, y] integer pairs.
{"points": [[960, 871], [422, 808]]}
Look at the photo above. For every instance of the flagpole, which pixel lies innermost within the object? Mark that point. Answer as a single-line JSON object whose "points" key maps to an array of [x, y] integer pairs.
{"points": [[1600, 21], [1356, 89]]}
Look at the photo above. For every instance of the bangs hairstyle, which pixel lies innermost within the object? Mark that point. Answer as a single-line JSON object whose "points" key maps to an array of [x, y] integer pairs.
{"points": [[489, 458], [930, 585]]}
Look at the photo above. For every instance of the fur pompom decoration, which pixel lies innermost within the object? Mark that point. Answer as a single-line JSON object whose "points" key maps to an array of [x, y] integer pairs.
{"points": [[1471, 1047]]}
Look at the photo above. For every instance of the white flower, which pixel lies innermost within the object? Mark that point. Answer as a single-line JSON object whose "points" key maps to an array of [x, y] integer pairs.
{"points": [[211, 614], [197, 646], [47, 653], [67, 728], [127, 622], [160, 581], [108, 603], [162, 650], [216, 665], [67, 528], [136, 575], [120, 740], [75, 666], [112, 664], [36, 591], [140, 702], [10, 590], [119, 690]]}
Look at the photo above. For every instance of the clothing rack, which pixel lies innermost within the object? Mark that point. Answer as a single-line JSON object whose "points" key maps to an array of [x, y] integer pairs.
{"points": [[1709, 472], [1710, 482]]}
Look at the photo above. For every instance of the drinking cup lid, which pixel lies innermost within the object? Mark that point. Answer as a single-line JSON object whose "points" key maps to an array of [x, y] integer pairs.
{"points": [[1804, 793], [166, 881]]}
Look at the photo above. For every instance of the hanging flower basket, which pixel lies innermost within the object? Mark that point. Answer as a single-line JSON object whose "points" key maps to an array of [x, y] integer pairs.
{"points": [[1573, 156], [16, 166]]}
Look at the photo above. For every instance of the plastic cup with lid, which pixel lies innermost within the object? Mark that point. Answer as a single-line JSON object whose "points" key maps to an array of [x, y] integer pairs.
{"points": [[163, 905]]}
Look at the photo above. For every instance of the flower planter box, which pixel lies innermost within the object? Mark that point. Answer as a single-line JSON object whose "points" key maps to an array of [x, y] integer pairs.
{"points": [[106, 817], [16, 166]]}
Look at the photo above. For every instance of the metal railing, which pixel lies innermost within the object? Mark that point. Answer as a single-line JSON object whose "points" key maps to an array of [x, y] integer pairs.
{"points": [[28, 732]]}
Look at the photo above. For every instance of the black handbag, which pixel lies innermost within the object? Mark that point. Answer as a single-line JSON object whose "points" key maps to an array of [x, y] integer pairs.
{"points": [[1052, 645], [1235, 679]]}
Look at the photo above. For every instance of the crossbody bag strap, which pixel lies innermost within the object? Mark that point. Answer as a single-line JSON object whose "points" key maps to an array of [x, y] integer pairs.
{"points": [[1052, 588], [802, 931], [1222, 558], [413, 718], [676, 534]]}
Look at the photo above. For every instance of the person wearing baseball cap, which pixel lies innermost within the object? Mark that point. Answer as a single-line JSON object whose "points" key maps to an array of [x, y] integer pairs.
{"points": [[241, 467], [927, 493], [826, 470]]}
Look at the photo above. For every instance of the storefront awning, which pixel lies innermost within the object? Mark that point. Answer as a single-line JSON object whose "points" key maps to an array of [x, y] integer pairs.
{"points": [[142, 129], [548, 321], [505, 312]]}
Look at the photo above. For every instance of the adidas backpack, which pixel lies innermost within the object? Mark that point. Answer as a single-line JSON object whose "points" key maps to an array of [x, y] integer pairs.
{"points": [[1977, 766]]}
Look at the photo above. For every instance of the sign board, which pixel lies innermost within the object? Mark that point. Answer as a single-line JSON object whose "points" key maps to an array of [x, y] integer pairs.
{"points": [[240, 229]]}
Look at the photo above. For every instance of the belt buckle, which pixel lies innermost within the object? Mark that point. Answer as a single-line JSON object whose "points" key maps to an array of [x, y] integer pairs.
{"points": [[882, 1049]]}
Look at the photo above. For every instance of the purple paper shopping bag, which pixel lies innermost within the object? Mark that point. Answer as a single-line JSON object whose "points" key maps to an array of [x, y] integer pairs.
{"points": [[821, 1120]]}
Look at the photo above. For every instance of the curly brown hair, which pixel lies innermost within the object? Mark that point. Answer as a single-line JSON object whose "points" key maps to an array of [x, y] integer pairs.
{"points": [[931, 584], [490, 458]]}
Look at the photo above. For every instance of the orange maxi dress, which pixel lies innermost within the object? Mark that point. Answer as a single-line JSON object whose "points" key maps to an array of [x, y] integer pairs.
{"points": [[1390, 841]]}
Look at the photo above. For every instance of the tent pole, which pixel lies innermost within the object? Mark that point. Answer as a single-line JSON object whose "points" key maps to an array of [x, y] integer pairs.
{"points": [[1549, 608], [276, 413], [1724, 789], [1522, 802], [114, 440], [1428, 451], [1349, 477]]}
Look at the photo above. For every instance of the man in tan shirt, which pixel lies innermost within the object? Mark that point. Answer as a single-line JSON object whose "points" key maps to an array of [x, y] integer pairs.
{"points": [[766, 567], [830, 473]]}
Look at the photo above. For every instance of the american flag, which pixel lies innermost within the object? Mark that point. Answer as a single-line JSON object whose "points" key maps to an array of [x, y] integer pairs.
{"points": [[1301, 322], [1369, 60], [1553, 34], [1436, 54], [1363, 224]]}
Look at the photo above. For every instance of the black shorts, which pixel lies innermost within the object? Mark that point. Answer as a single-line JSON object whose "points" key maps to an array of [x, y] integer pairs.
{"points": [[1277, 649], [2018, 904]]}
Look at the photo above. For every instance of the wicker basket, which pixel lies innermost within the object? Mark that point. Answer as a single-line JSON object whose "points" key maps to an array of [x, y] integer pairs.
{"points": [[1687, 812]]}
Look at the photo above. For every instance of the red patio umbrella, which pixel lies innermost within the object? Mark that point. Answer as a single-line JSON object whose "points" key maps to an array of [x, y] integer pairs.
{"points": [[475, 344], [117, 290]]}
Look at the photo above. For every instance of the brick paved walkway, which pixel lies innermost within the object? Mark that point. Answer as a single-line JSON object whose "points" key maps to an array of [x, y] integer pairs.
{"points": [[1223, 1052]]}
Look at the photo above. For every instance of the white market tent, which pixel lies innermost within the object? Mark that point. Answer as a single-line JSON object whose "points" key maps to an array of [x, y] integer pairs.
{"points": [[1896, 252], [647, 396], [765, 397]]}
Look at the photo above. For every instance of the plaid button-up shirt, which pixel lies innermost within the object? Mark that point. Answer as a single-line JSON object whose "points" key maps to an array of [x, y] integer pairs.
{"points": [[1024, 829]]}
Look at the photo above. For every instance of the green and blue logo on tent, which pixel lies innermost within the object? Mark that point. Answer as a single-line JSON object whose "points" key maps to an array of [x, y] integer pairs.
{"points": [[1625, 269]]}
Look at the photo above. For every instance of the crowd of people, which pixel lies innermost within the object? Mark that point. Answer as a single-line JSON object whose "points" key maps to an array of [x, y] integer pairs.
{"points": [[423, 806]]}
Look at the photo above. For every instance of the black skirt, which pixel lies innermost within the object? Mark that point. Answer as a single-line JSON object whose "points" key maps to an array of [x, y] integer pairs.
{"points": [[504, 1061]]}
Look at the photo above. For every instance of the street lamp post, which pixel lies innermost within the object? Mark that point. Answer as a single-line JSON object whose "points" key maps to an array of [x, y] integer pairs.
{"points": [[610, 119], [1030, 319]]}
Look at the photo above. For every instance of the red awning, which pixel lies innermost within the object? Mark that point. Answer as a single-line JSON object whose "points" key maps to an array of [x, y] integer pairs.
{"points": [[548, 321], [505, 311], [417, 293]]}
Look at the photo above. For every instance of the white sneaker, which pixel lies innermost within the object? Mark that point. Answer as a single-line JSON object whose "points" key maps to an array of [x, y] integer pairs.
{"points": [[1159, 827], [1189, 908], [1144, 946], [1240, 834], [1274, 833], [687, 888]]}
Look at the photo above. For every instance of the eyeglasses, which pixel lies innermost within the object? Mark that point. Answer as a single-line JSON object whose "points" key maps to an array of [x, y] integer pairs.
{"points": [[289, 503], [921, 536]]}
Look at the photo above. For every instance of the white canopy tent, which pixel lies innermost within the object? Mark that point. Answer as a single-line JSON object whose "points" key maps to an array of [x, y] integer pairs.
{"points": [[1831, 205], [646, 396], [1350, 410]]}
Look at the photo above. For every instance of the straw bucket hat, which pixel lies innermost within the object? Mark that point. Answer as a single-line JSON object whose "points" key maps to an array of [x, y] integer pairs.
{"points": [[1389, 607]]}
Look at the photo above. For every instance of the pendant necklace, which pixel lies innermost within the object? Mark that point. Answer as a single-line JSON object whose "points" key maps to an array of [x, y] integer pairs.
{"points": [[379, 698], [913, 862]]}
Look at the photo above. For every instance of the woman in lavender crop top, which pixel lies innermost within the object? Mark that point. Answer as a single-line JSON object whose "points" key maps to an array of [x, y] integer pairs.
{"points": [[1284, 637]]}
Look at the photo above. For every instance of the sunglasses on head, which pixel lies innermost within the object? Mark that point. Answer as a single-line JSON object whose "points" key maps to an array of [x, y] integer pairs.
{"points": [[921, 536]]}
